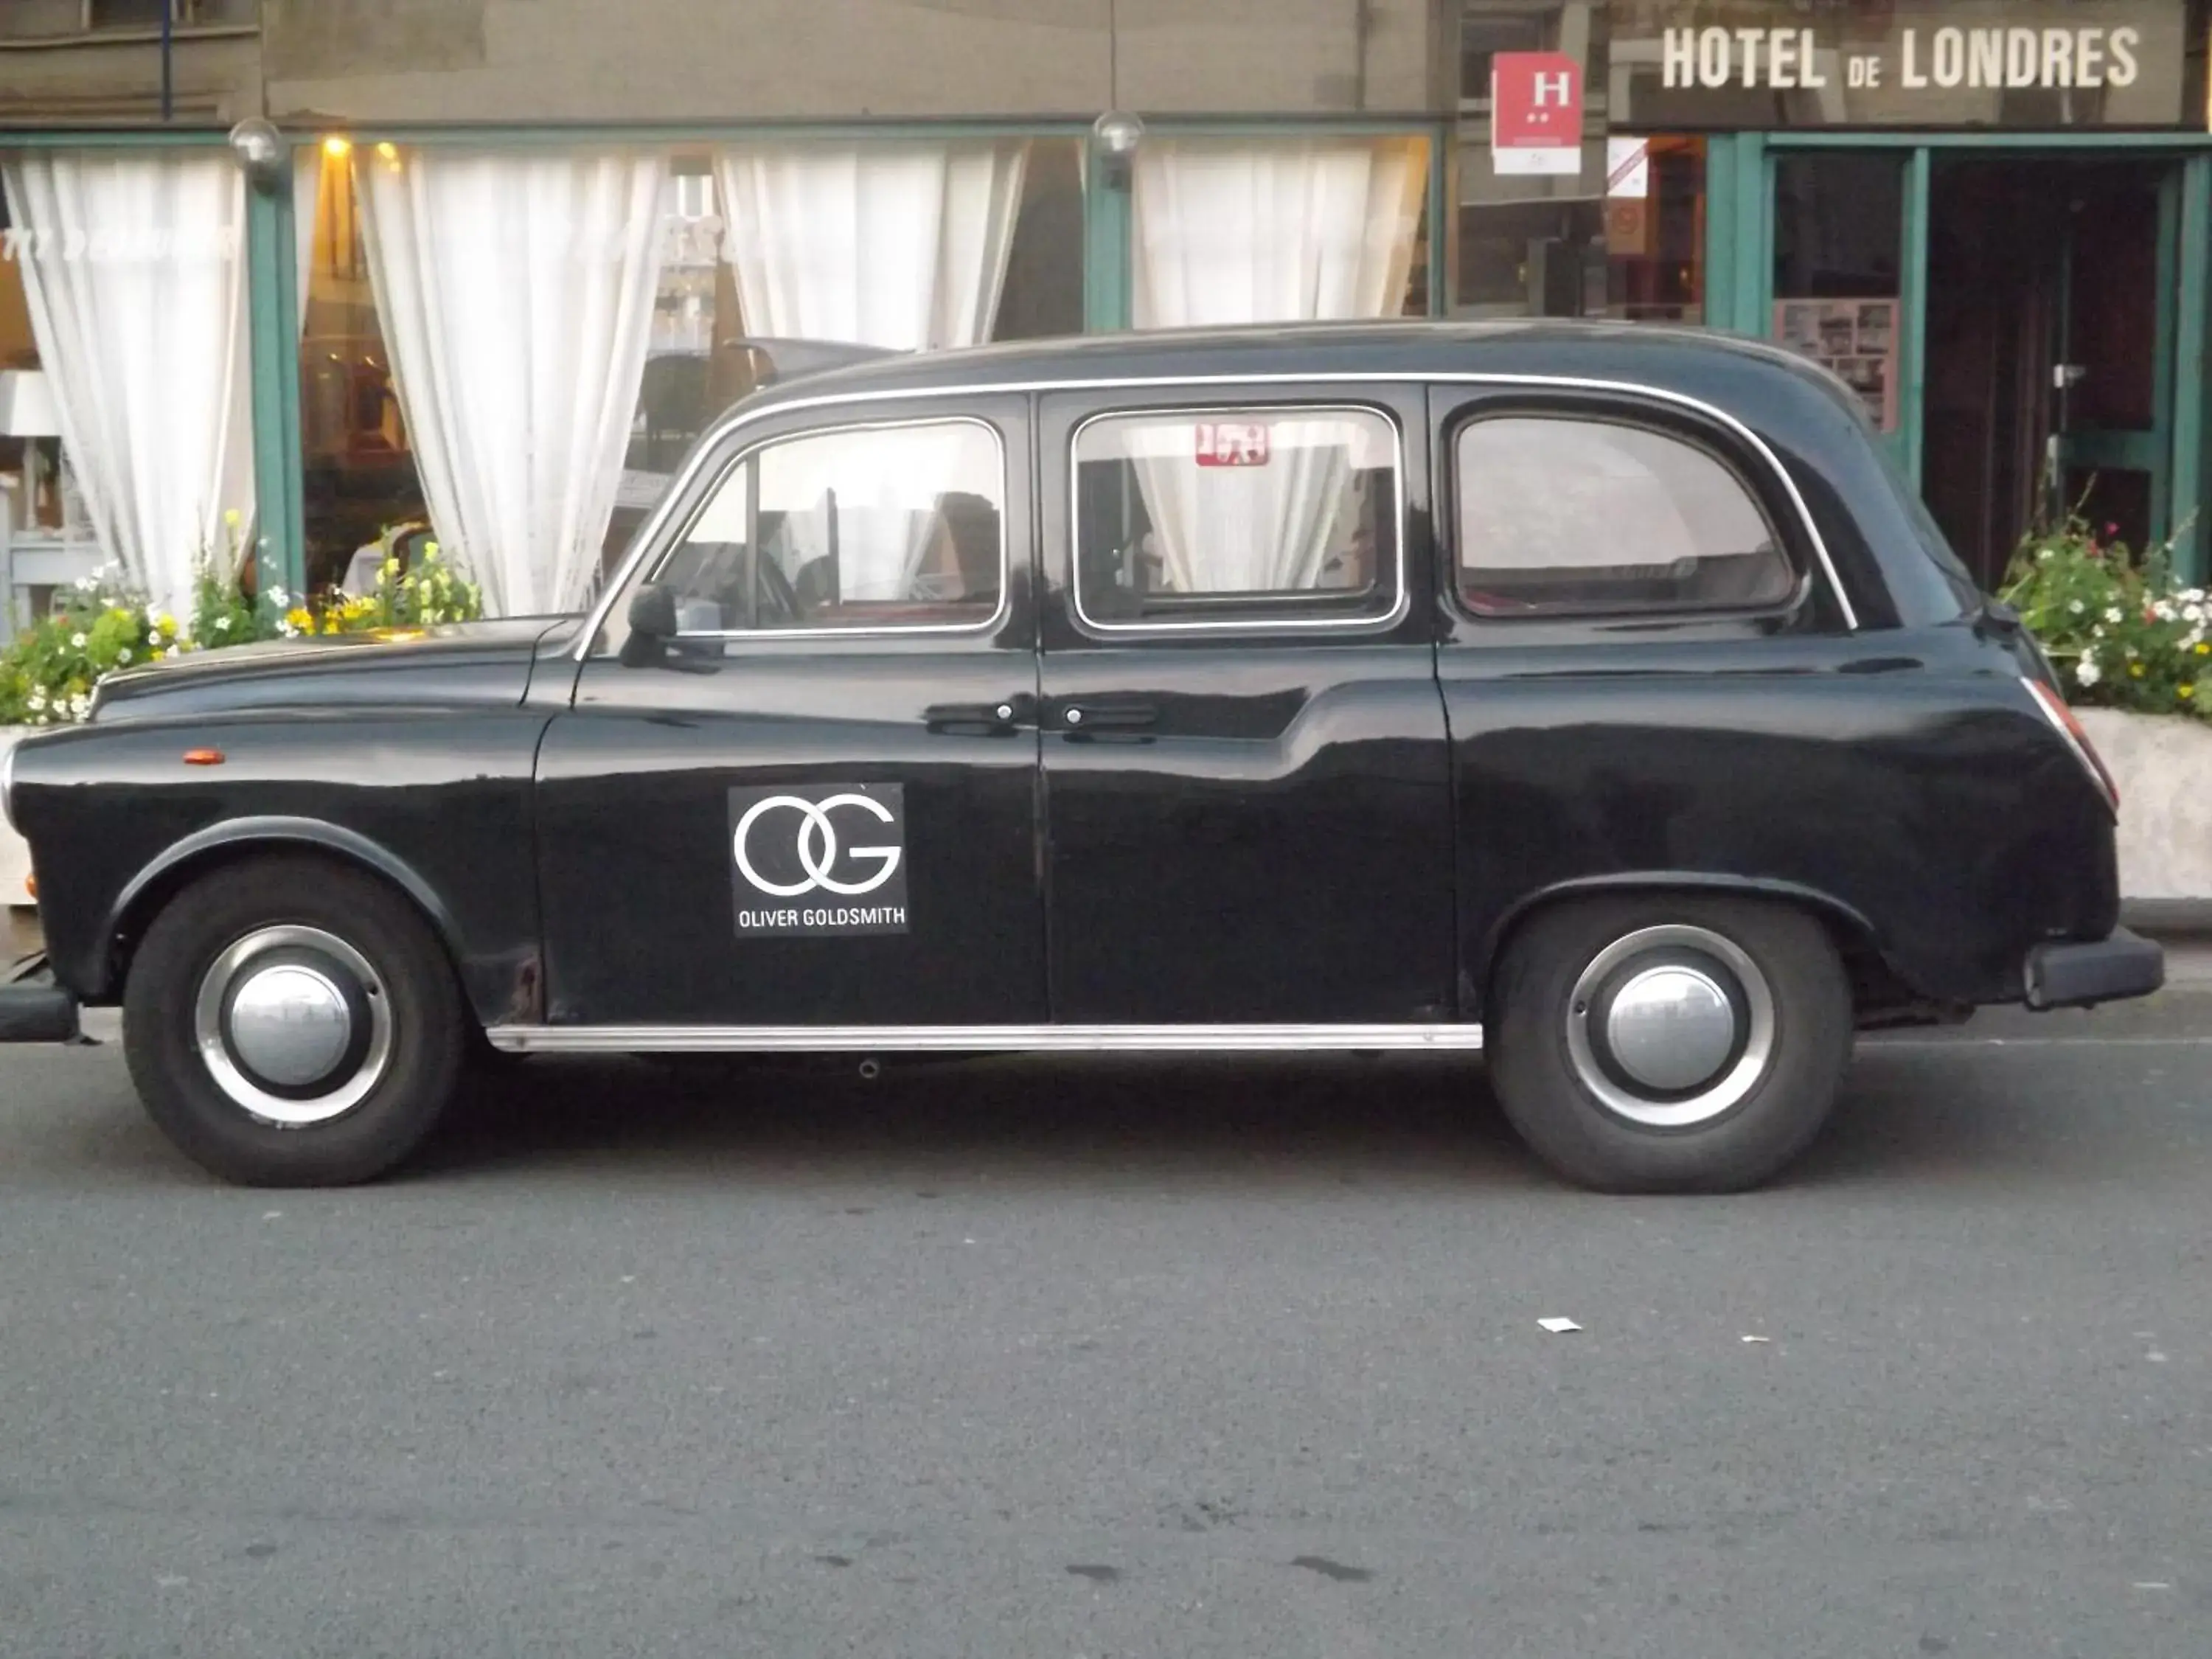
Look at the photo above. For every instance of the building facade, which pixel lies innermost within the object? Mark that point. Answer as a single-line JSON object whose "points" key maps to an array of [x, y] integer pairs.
{"points": [[493, 263]]}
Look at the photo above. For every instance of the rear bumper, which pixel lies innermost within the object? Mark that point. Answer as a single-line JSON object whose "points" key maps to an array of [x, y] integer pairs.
{"points": [[2106, 970], [33, 1009]]}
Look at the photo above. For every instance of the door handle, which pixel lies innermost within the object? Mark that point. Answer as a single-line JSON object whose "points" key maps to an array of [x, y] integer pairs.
{"points": [[1006, 714], [1109, 716]]}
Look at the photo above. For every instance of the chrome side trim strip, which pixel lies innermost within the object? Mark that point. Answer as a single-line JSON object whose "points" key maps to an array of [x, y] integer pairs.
{"points": [[648, 534], [972, 1039]]}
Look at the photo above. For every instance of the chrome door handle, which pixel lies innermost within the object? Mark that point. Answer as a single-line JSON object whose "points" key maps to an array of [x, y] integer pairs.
{"points": [[1109, 716], [1007, 714]]}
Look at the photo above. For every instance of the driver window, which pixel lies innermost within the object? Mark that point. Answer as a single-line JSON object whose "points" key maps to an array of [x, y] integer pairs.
{"points": [[866, 527]]}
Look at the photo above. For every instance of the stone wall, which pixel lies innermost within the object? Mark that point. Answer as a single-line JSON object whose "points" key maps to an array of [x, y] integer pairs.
{"points": [[368, 61]]}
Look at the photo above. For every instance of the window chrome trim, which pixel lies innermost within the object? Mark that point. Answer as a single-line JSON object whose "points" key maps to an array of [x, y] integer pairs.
{"points": [[889, 630], [1382, 622], [975, 1039], [737, 419], [8, 782]]}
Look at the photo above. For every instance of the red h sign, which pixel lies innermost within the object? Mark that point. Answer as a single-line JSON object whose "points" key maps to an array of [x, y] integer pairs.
{"points": [[1535, 112]]}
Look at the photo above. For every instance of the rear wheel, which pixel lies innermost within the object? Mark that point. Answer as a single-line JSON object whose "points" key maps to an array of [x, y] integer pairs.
{"points": [[1669, 1043], [291, 1022]]}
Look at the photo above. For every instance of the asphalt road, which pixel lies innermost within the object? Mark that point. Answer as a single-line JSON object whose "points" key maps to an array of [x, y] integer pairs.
{"points": [[999, 1357]]}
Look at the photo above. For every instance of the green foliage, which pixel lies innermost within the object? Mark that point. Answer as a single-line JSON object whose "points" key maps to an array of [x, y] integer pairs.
{"points": [[48, 675], [2119, 630]]}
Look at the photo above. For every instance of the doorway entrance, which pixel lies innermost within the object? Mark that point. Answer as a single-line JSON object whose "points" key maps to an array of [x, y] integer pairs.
{"points": [[2049, 343]]}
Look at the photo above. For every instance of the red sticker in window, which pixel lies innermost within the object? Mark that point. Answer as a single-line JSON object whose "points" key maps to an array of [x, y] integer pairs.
{"points": [[1232, 443]]}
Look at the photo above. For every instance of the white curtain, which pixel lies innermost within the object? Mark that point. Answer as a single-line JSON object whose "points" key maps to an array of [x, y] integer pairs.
{"points": [[306, 203], [134, 268], [516, 292], [1243, 231], [891, 244], [1232, 231], [1254, 529]]}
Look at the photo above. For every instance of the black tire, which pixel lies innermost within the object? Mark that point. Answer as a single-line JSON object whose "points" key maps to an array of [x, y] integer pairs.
{"points": [[428, 1034], [1777, 1098]]}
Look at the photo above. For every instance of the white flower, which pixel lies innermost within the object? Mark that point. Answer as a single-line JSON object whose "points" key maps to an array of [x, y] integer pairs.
{"points": [[124, 655], [222, 624], [2112, 615], [154, 637], [2162, 610], [2043, 554], [2077, 607], [38, 700], [78, 641], [2085, 671]]}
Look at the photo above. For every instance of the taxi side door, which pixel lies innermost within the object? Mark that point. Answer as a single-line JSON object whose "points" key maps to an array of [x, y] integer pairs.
{"points": [[814, 804], [1246, 780]]}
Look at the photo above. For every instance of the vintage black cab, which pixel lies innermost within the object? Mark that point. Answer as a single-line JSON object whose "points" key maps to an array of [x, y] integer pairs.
{"points": [[1596, 695]]}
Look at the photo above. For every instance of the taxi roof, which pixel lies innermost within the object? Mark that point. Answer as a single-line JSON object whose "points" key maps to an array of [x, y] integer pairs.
{"points": [[1675, 357]]}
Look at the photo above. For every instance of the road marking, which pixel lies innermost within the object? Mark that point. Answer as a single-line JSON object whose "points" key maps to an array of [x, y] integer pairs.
{"points": [[1877, 1044]]}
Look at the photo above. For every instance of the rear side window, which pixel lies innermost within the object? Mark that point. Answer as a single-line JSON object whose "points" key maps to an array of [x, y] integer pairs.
{"points": [[1559, 515], [1238, 517]]}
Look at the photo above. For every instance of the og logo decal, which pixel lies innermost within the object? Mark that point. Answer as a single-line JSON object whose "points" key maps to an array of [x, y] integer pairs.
{"points": [[820, 860]]}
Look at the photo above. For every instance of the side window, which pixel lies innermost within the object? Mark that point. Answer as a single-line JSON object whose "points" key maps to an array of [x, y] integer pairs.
{"points": [[887, 527], [1243, 517], [1561, 515]]}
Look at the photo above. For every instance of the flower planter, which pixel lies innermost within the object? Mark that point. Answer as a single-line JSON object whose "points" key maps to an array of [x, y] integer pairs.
{"points": [[2163, 765], [15, 856]]}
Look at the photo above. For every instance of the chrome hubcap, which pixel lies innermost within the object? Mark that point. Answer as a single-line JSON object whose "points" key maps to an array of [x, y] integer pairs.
{"points": [[1671, 1027], [289, 1024], [294, 1025]]}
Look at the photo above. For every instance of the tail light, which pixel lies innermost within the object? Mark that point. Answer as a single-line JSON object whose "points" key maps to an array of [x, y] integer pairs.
{"points": [[2056, 711]]}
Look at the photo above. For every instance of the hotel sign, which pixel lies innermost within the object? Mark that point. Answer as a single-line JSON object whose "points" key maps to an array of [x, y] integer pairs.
{"points": [[2046, 63], [1991, 57]]}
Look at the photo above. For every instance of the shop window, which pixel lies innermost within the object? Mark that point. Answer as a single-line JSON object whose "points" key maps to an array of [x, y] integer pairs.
{"points": [[36, 510], [1559, 516], [1248, 516], [1624, 239], [1839, 230], [517, 348]]}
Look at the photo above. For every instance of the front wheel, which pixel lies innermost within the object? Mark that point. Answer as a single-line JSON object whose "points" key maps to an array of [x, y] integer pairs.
{"points": [[1669, 1043], [293, 1022]]}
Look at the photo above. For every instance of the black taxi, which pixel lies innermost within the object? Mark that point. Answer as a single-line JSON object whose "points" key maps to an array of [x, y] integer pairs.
{"points": [[1596, 697]]}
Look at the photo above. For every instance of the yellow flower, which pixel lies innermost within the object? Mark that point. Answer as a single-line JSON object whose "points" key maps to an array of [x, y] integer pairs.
{"points": [[2134, 670], [298, 617], [232, 518], [2203, 648], [2184, 691]]}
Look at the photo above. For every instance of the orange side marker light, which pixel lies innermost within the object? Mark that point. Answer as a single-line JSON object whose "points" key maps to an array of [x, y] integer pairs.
{"points": [[203, 757]]}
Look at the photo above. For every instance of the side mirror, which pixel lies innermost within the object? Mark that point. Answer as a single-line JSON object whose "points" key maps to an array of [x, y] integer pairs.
{"points": [[652, 612], [652, 626]]}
